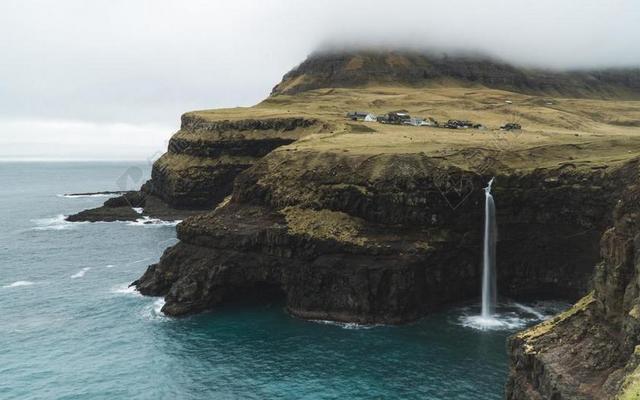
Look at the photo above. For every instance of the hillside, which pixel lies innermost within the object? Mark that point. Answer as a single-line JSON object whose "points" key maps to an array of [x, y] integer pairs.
{"points": [[351, 69]]}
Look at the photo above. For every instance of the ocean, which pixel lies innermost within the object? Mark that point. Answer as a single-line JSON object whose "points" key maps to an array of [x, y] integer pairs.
{"points": [[70, 328]]}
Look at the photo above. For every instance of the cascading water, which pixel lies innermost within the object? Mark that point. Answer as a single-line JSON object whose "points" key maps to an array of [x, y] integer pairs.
{"points": [[505, 316], [489, 290]]}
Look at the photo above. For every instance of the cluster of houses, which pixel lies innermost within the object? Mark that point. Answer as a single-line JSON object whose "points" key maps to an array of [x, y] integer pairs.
{"points": [[394, 117], [403, 118]]}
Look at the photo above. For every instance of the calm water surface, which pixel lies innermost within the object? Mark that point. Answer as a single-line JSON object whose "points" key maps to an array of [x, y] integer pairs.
{"points": [[70, 328]]}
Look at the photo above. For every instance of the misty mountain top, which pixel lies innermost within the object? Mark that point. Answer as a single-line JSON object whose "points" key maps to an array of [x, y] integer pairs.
{"points": [[359, 67]]}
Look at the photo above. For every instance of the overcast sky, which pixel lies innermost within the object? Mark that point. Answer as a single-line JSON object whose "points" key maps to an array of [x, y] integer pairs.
{"points": [[109, 79]]}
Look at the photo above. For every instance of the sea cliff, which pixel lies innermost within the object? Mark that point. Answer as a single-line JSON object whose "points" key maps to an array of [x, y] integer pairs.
{"points": [[374, 223]]}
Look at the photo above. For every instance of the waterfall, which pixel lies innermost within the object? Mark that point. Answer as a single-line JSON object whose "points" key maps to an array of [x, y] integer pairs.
{"points": [[489, 290]]}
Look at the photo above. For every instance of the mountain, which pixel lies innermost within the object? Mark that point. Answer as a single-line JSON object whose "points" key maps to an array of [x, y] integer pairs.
{"points": [[351, 69]]}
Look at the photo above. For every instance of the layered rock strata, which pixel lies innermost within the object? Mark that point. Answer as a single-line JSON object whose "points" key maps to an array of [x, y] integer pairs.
{"points": [[382, 239]]}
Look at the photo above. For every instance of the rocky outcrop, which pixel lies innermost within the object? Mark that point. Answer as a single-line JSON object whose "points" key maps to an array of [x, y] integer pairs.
{"points": [[200, 166], [382, 239], [206, 155], [357, 68], [591, 351], [132, 206]]}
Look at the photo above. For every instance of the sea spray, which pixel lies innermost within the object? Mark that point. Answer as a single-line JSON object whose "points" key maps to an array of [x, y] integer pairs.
{"points": [[489, 289]]}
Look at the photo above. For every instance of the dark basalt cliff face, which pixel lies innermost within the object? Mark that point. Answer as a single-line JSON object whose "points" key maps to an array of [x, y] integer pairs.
{"points": [[591, 351], [359, 68], [205, 157], [382, 239]]}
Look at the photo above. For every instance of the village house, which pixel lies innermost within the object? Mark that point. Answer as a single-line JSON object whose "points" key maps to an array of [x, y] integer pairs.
{"points": [[361, 116]]}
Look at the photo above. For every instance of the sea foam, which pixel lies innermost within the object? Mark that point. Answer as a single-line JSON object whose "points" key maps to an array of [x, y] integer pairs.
{"points": [[509, 316], [56, 223], [346, 325], [149, 222], [126, 289]]}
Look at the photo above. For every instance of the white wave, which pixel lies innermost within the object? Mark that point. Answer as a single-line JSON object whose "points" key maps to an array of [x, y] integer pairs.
{"points": [[126, 289], [18, 284], [139, 210], [345, 325], [109, 266], [80, 273], [152, 222], [153, 310], [56, 223], [80, 196], [157, 307]]}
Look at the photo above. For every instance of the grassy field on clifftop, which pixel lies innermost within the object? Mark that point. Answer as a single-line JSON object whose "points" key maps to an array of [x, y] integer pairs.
{"points": [[582, 133]]}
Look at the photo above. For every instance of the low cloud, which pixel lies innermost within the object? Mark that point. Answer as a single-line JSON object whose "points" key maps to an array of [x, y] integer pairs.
{"points": [[144, 62]]}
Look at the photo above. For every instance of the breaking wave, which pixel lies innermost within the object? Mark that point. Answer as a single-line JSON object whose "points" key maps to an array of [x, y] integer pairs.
{"points": [[153, 311], [126, 289], [19, 283], [157, 306], [80, 273]]}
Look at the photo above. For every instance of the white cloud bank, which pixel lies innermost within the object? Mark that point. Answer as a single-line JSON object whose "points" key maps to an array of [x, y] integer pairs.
{"points": [[57, 140]]}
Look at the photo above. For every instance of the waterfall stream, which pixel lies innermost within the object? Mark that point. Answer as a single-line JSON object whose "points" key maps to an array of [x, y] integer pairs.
{"points": [[507, 315], [489, 290]]}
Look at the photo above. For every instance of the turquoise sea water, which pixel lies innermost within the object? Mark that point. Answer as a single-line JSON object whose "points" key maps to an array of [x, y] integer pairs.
{"points": [[70, 328]]}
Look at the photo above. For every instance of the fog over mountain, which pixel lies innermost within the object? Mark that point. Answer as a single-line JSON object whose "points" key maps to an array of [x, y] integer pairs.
{"points": [[109, 79]]}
